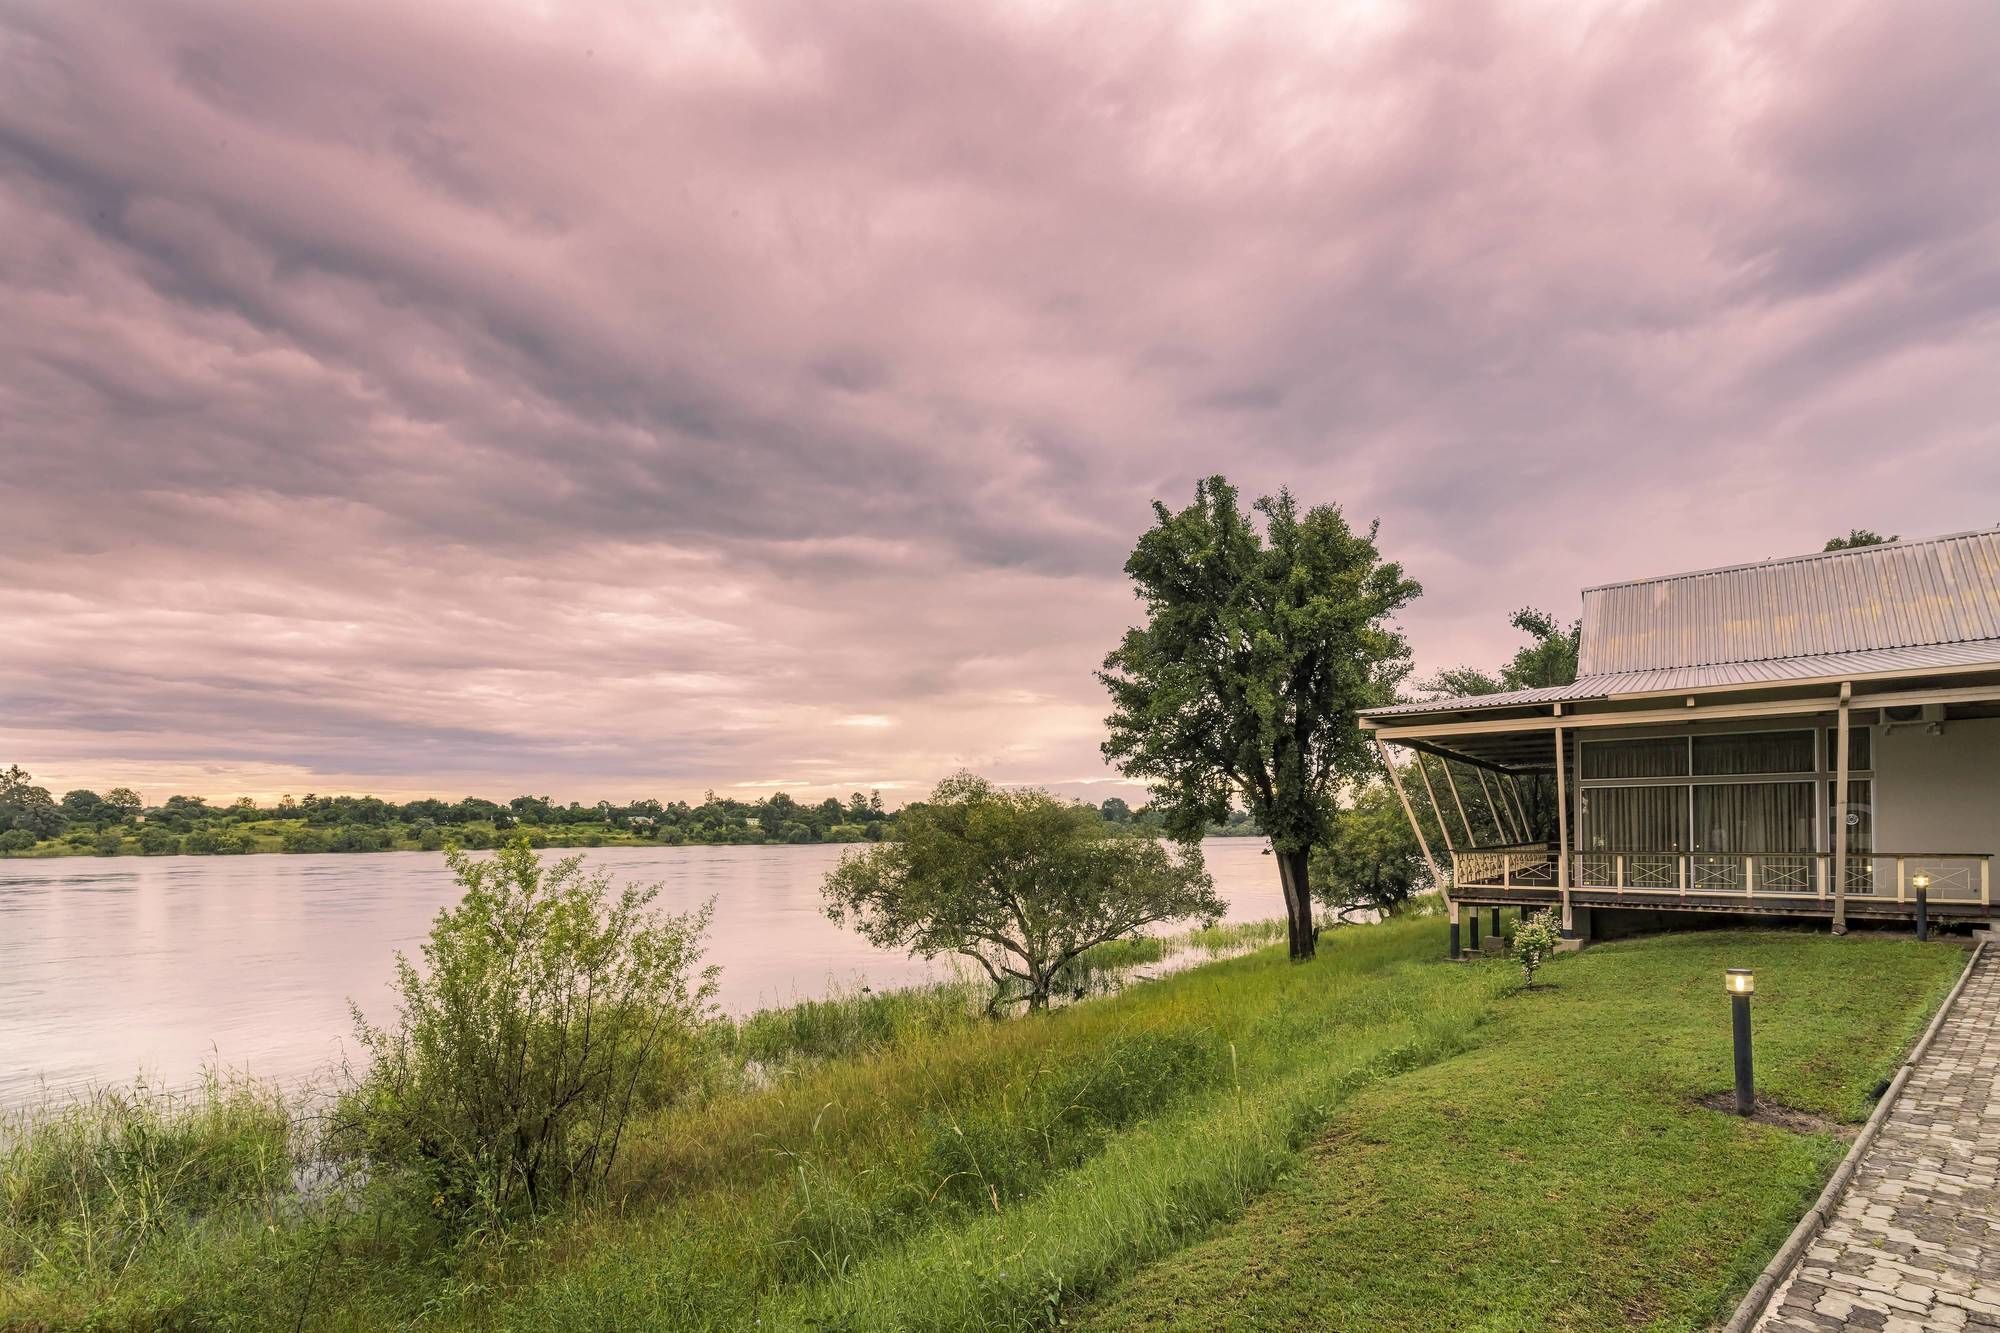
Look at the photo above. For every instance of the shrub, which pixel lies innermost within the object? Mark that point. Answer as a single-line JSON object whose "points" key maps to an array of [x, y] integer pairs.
{"points": [[548, 1010], [157, 841], [299, 839], [17, 840], [1534, 942], [109, 843]]}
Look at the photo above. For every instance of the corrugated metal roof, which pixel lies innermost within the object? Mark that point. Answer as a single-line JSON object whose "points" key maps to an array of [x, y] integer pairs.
{"points": [[1776, 670], [1901, 595]]}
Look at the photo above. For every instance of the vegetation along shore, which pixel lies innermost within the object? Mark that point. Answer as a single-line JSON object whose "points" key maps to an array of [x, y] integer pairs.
{"points": [[1251, 1141]]}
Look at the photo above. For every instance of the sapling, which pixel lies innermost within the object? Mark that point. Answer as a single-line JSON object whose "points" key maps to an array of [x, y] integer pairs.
{"points": [[1534, 942]]}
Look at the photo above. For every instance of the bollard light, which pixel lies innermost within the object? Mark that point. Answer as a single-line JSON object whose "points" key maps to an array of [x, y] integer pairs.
{"points": [[1921, 882], [1741, 983]]}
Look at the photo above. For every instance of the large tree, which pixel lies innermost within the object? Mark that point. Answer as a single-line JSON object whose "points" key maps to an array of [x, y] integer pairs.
{"points": [[1259, 647], [1017, 881]]}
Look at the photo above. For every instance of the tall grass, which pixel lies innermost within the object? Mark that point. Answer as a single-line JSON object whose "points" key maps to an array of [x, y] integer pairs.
{"points": [[881, 1160]]}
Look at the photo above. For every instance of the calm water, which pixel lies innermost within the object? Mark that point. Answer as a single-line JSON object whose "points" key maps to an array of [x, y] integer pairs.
{"points": [[111, 967]]}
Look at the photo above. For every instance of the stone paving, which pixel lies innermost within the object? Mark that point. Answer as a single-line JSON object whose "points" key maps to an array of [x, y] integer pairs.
{"points": [[1915, 1243]]}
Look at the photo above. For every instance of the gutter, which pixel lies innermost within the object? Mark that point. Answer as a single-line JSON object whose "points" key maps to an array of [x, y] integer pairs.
{"points": [[1752, 1307]]}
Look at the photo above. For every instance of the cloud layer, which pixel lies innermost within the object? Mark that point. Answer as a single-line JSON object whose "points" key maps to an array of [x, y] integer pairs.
{"points": [[636, 399]]}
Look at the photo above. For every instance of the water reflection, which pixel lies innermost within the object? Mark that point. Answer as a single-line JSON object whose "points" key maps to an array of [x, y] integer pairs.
{"points": [[113, 966]]}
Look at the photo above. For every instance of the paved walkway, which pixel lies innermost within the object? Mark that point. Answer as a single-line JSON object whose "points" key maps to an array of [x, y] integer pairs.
{"points": [[1915, 1244]]}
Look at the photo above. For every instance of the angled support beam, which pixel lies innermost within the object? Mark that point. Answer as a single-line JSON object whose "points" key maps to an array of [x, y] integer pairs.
{"points": [[1423, 843], [1437, 810], [1494, 812], [1463, 822]]}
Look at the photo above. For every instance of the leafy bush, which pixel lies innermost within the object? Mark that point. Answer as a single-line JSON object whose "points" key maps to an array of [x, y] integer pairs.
{"points": [[548, 1010], [300, 839], [1534, 942]]}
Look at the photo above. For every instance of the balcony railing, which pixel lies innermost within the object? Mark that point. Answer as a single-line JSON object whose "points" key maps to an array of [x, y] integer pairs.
{"points": [[1953, 877]]}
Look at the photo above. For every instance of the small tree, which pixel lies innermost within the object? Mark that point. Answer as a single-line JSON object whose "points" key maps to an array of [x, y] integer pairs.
{"points": [[549, 1007], [1535, 943], [1017, 881], [1259, 649], [1371, 860]]}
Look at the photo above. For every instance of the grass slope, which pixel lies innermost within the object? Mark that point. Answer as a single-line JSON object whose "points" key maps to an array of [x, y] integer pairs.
{"points": [[1561, 1175], [1376, 1139]]}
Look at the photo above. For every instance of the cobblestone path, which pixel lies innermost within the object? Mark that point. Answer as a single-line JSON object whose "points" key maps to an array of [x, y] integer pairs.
{"points": [[1915, 1244]]}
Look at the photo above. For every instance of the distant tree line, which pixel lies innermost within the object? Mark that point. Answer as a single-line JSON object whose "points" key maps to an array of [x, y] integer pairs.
{"points": [[119, 822]]}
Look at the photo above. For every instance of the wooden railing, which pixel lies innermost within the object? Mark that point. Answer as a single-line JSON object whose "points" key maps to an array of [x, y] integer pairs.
{"points": [[1952, 877]]}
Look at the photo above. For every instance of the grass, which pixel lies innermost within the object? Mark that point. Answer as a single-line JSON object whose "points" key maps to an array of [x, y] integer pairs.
{"points": [[1375, 1139], [1561, 1174]]}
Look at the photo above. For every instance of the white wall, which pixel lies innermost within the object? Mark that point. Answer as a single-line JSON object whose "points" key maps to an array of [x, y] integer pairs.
{"points": [[1938, 793]]}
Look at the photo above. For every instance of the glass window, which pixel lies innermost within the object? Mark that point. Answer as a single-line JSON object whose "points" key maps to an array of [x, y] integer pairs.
{"points": [[1754, 816], [1656, 757], [1858, 748], [1635, 819], [1860, 814], [1740, 752]]}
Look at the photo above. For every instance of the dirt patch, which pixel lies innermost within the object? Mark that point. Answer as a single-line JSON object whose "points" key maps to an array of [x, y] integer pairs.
{"points": [[1768, 1112]]}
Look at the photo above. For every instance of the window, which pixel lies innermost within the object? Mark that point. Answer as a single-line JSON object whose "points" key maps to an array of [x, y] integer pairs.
{"points": [[1754, 816], [1735, 753], [1858, 748], [1659, 757], [1635, 819], [1860, 814]]}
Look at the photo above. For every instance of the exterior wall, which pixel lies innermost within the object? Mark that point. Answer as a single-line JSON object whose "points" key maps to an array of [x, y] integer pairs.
{"points": [[1938, 793]]}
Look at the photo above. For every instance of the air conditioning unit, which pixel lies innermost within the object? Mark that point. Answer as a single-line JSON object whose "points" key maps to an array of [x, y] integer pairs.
{"points": [[1929, 716]]}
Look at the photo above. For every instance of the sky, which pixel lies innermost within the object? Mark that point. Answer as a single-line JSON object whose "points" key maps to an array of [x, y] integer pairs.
{"points": [[610, 400]]}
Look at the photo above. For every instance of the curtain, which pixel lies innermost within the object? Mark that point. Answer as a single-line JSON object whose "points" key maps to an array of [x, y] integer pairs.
{"points": [[1635, 819], [1734, 753], [1754, 817], [1657, 757]]}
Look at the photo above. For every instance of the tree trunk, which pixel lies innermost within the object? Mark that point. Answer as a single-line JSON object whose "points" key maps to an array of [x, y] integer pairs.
{"points": [[1294, 873]]}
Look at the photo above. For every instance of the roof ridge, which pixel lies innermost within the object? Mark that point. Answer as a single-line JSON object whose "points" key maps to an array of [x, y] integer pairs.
{"points": [[1899, 544]]}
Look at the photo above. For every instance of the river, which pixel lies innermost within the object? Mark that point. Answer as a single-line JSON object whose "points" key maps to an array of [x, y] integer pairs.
{"points": [[114, 967]]}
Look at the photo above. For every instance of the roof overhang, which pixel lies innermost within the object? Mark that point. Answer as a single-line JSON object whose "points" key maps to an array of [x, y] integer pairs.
{"points": [[1518, 737]]}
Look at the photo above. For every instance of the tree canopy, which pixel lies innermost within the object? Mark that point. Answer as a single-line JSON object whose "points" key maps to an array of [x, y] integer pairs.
{"points": [[1857, 537], [1259, 649], [1017, 881]]}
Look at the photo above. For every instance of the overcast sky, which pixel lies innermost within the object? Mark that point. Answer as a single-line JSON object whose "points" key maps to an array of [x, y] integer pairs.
{"points": [[611, 400]]}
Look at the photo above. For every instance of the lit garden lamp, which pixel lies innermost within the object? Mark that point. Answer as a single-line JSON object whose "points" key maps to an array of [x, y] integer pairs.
{"points": [[1922, 884], [1742, 984]]}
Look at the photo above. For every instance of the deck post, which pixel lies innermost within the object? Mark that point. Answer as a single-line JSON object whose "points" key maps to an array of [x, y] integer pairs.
{"points": [[1423, 843], [1472, 926], [1840, 814], [1455, 955], [1496, 923], [1562, 832]]}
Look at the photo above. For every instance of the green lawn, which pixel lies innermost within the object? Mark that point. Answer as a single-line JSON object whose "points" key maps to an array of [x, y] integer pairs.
{"points": [[1377, 1139], [1561, 1174]]}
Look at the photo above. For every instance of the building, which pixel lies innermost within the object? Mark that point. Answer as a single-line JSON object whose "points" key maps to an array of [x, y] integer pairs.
{"points": [[1816, 736]]}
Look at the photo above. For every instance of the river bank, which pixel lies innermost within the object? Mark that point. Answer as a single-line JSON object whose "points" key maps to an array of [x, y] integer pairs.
{"points": [[1488, 1157]]}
